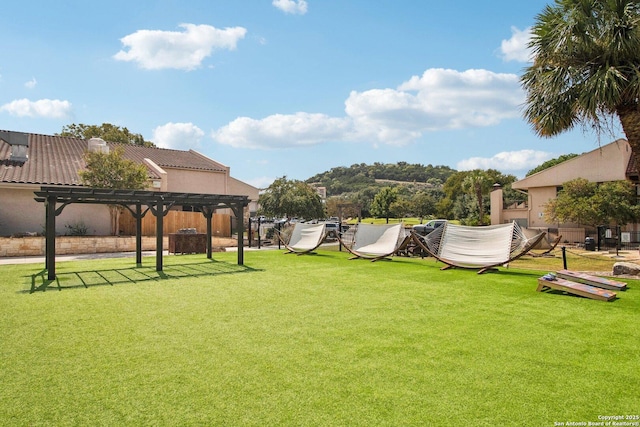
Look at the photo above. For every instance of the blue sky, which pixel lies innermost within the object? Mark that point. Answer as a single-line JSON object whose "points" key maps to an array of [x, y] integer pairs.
{"points": [[290, 88]]}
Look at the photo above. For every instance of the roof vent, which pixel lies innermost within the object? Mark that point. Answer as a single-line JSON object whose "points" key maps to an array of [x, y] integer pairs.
{"points": [[19, 143], [98, 145]]}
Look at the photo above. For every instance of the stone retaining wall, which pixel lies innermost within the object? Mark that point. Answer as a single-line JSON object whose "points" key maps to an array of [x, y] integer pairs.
{"points": [[34, 246]]}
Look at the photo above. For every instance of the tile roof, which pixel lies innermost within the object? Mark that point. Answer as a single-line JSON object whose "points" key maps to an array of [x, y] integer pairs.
{"points": [[632, 172], [177, 159], [56, 160]]}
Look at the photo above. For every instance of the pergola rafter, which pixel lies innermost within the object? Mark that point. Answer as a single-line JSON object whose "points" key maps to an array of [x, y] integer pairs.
{"points": [[158, 203]]}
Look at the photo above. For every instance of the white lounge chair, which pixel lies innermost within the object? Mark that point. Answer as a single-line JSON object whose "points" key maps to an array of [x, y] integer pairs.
{"points": [[375, 241], [305, 238], [480, 248]]}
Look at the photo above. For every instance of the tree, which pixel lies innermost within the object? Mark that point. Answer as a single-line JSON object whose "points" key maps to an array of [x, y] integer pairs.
{"points": [[106, 131], [617, 202], [381, 205], [402, 207], [587, 203], [477, 183], [291, 198], [344, 207], [112, 170], [573, 204], [424, 204], [586, 68]]}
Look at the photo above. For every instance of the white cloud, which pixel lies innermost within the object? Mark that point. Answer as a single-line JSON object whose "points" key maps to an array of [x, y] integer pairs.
{"points": [[261, 182], [281, 131], [291, 6], [517, 47], [46, 108], [31, 83], [438, 100], [155, 49], [507, 161], [182, 136]]}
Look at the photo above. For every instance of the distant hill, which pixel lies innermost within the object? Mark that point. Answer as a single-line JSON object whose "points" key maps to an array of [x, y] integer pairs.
{"points": [[356, 177]]}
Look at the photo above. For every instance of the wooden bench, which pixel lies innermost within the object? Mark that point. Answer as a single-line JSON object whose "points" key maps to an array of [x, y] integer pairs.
{"points": [[589, 279], [576, 288]]}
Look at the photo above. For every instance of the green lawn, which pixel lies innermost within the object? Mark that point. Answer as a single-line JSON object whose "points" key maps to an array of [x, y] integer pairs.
{"points": [[308, 340]]}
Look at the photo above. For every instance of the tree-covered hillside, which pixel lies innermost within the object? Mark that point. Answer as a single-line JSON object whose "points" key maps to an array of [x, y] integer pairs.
{"points": [[357, 177]]}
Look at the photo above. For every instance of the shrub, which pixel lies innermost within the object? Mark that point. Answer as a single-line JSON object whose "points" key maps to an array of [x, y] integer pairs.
{"points": [[77, 228]]}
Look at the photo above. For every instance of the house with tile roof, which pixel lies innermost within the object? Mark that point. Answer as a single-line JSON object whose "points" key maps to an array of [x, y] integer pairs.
{"points": [[29, 161], [611, 162]]}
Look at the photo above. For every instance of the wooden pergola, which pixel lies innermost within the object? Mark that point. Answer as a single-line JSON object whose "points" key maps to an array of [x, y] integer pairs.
{"points": [[56, 199]]}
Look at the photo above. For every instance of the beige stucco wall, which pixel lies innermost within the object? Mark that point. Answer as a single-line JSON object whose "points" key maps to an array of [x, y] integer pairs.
{"points": [[20, 213], [538, 197], [191, 181], [240, 188]]}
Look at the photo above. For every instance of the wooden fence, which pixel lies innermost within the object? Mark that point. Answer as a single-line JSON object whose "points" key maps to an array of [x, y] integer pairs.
{"points": [[174, 221]]}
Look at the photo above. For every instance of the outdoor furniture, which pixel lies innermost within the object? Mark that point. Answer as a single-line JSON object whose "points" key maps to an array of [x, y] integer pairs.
{"points": [[187, 243], [479, 248], [375, 241], [550, 281], [304, 239], [589, 279]]}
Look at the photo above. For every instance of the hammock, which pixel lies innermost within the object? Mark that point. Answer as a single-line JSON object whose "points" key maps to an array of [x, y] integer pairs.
{"points": [[375, 242], [304, 239], [551, 248], [477, 247]]}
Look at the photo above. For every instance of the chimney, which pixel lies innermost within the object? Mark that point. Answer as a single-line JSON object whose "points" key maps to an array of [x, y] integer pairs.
{"points": [[98, 145], [19, 143]]}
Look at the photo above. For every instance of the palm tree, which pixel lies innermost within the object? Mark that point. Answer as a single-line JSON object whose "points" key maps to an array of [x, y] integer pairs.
{"points": [[586, 68], [477, 183]]}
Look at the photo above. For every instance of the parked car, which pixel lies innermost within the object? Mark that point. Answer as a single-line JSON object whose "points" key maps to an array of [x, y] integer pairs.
{"points": [[332, 229], [429, 226]]}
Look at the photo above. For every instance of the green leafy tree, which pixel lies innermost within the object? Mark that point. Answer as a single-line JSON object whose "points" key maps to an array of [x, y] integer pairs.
{"points": [[586, 68], [452, 189], [402, 207], [346, 207], [112, 170], [382, 202], [291, 198], [617, 203], [106, 131], [573, 204], [424, 205], [587, 203]]}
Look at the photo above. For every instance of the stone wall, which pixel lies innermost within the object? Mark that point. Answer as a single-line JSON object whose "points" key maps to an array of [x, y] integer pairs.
{"points": [[34, 246]]}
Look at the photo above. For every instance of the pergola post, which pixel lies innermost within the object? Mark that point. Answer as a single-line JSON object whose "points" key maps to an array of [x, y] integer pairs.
{"points": [[50, 249], [138, 234], [239, 212], [159, 238], [208, 214]]}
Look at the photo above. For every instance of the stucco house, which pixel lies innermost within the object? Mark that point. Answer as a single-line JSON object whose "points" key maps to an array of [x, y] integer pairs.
{"points": [[29, 161], [611, 162]]}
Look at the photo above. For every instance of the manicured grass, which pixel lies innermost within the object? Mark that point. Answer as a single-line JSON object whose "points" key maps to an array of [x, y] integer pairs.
{"points": [[308, 340]]}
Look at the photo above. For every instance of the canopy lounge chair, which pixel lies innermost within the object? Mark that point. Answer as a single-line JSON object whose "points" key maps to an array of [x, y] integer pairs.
{"points": [[479, 248], [375, 241], [305, 238]]}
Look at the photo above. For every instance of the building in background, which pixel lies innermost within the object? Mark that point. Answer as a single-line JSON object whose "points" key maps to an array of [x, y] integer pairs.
{"points": [[29, 161]]}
